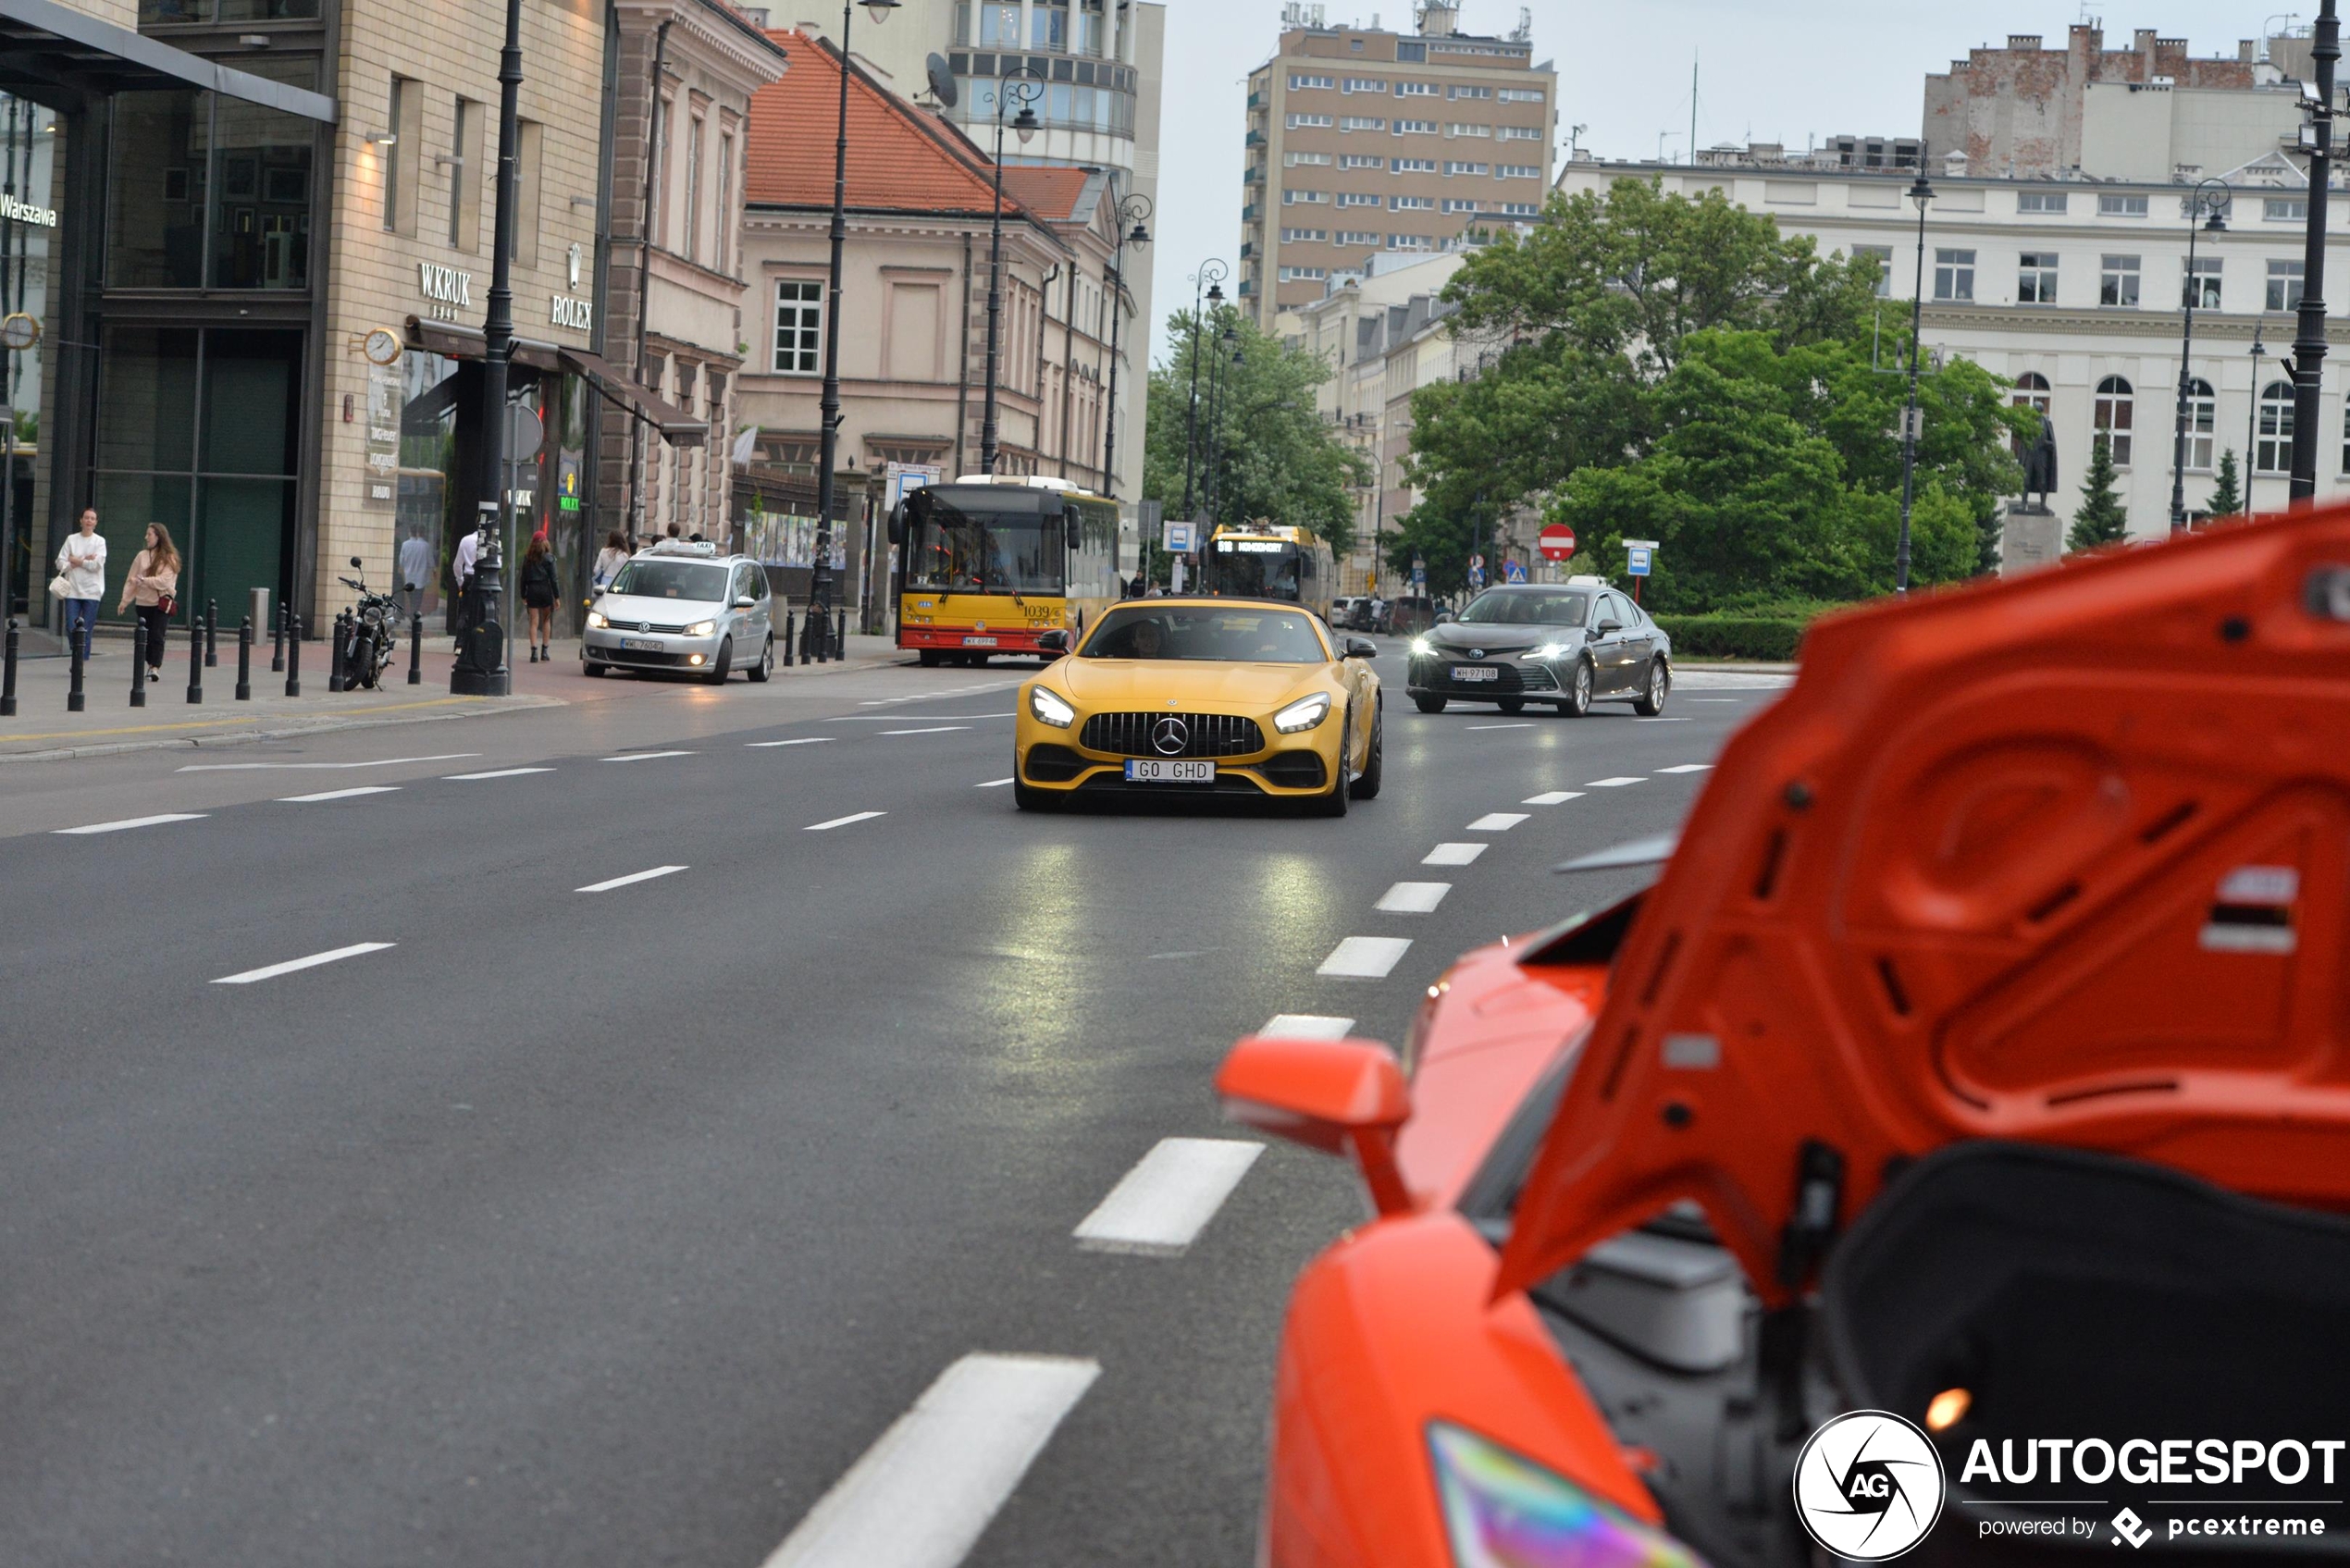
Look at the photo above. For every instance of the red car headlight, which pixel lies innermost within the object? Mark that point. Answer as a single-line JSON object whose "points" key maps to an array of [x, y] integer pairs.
{"points": [[1501, 1511]]}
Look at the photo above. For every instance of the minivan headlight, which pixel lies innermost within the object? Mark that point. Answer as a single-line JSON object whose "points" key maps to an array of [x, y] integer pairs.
{"points": [[1302, 714], [597, 620], [1501, 1511], [701, 628], [1048, 708]]}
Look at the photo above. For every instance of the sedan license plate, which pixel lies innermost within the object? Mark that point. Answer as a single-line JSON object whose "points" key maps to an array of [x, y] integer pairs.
{"points": [[979, 642], [1475, 672], [1150, 770], [650, 645]]}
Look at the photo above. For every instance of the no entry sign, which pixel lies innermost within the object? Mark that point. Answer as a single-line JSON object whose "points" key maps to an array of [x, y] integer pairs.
{"points": [[1557, 542]]}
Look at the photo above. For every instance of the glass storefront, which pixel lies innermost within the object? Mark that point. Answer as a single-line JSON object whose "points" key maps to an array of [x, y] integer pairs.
{"points": [[210, 187], [29, 139]]}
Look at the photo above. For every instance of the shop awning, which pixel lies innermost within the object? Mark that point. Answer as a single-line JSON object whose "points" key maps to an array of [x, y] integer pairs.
{"points": [[676, 426], [466, 343], [44, 44]]}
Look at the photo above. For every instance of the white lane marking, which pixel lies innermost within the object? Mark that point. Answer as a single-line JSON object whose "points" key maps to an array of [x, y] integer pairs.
{"points": [[1453, 854], [1364, 958], [934, 730], [1713, 699], [340, 794], [1413, 898], [803, 740], [1161, 1205], [645, 756], [901, 718], [920, 1496], [992, 784], [379, 762], [1521, 724], [1688, 768], [271, 971], [138, 823], [1307, 1026], [1683, 720], [495, 773], [1615, 784], [844, 821], [1497, 821], [624, 882], [1552, 797]]}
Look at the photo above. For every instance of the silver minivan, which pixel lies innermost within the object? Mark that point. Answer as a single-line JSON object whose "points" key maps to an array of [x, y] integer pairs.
{"points": [[685, 609]]}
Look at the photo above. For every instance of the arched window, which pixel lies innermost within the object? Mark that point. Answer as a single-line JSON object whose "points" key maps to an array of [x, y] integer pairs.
{"points": [[2111, 417], [2203, 415], [2272, 452], [2032, 392]]}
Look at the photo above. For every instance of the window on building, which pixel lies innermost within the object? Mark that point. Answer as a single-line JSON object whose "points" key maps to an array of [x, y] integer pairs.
{"points": [[1517, 171], [1412, 166], [1358, 236], [1452, 167], [1361, 122], [722, 252], [2110, 205], [1414, 128], [2284, 209], [2117, 280], [999, 25], [693, 188], [1362, 84], [1453, 206], [799, 326], [2203, 417], [400, 158], [1304, 236], [1295, 160], [2035, 278], [1358, 199], [1461, 92], [529, 143], [1881, 258], [1361, 160], [1953, 275], [1302, 274], [464, 178], [1303, 198], [1408, 243], [1301, 83], [1089, 27], [1411, 204], [657, 209], [1310, 122], [2202, 289], [1411, 51], [1518, 132], [2346, 438], [2272, 448], [1048, 28], [2032, 392], [1520, 95], [2040, 200], [1521, 209], [2286, 278], [2111, 417], [1459, 129], [1416, 90]]}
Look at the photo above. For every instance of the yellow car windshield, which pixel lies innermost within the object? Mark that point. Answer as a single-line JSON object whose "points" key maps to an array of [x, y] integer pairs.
{"points": [[1237, 635]]}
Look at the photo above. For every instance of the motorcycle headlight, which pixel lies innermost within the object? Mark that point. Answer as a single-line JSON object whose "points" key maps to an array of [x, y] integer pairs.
{"points": [[1548, 650], [1049, 709], [701, 628], [1504, 1511], [1420, 646], [1302, 714], [597, 618]]}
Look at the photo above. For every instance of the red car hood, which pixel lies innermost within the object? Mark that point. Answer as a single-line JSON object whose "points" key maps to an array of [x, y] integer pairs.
{"points": [[2060, 859]]}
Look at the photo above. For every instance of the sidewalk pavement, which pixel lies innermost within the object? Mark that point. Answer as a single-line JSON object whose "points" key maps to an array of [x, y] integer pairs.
{"points": [[43, 730]]}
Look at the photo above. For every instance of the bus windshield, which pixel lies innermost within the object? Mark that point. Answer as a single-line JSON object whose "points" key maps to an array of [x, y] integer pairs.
{"points": [[952, 549], [1254, 568]]}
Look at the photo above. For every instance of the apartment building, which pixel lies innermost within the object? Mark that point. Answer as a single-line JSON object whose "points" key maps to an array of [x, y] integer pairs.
{"points": [[1362, 142]]}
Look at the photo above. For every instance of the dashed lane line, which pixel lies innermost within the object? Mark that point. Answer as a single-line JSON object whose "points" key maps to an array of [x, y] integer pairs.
{"points": [[271, 971], [803, 740], [1616, 783], [1364, 958], [645, 756], [1497, 821], [630, 877], [1160, 1207], [933, 730], [1307, 1026], [921, 1495], [493, 773], [1453, 855], [844, 821], [1413, 898], [260, 767], [1552, 797], [991, 783], [1681, 719], [339, 793], [1521, 724], [155, 821], [1688, 768]]}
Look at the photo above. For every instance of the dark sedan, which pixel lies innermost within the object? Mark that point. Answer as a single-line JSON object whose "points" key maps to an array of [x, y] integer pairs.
{"points": [[1570, 645]]}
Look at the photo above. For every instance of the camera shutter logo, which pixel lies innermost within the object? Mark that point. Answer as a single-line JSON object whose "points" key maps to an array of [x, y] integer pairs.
{"points": [[1868, 1486]]}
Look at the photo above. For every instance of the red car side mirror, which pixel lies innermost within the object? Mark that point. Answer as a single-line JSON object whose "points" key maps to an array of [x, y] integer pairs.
{"points": [[1341, 1096]]}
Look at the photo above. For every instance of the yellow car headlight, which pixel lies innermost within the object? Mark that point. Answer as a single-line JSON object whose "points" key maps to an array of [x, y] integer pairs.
{"points": [[1302, 714], [1047, 708], [597, 620]]}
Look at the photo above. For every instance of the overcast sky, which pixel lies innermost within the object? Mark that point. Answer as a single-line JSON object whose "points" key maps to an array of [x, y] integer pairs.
{"points": [[1771, 70]]}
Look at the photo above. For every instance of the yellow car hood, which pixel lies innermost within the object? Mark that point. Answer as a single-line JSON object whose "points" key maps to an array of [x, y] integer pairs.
{"points": [[1121, 685]]}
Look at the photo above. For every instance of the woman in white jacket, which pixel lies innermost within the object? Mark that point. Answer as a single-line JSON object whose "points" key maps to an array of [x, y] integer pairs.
{"points": [[81, 561]]}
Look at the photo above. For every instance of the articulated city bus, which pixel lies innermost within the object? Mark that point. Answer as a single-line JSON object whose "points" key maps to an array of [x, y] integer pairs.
{"points": [[1269, 561], [984, 566]]}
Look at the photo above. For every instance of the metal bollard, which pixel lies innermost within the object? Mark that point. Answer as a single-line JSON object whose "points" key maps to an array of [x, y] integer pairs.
{"points": [[244, 659], [212, 634], [8, 674], [788, 636], [840, 633], [334, 660], [277, 640], [294, 654], [196, 659], [73, 690], [416, 647], [138, 663]]}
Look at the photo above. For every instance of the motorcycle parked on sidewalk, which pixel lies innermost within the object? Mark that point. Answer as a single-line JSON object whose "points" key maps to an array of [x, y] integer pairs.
{"points": [[375, 628]]}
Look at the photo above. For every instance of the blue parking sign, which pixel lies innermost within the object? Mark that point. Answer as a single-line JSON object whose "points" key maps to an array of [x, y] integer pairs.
{"points": [[1636, 561]]}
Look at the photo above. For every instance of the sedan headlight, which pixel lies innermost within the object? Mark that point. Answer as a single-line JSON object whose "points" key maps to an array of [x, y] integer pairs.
{"points": [[1302, 714], [1048, 708], [597, 620], [1549, 651], [701, 628], [1420, 646], [1504, 1511]]}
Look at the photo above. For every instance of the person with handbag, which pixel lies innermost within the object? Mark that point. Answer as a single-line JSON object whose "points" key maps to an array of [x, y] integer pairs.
{"points": [[539, 587], [152, 587], [80, 581], [611, 559]]}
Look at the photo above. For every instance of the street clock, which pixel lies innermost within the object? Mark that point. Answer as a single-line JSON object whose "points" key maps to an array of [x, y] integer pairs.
{"points": [[18, 331], [383, 346]]}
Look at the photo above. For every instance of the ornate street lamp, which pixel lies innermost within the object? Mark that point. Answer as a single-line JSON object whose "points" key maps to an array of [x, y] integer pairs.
{"points": [[1921, 193], [2208, 208], [2309, 332], [1009, 88], [1214, 272], [1132, 210]]}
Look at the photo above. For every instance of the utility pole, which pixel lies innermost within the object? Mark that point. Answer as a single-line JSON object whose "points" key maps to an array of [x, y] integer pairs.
{"points": [[481, 666], [2309, 335]]}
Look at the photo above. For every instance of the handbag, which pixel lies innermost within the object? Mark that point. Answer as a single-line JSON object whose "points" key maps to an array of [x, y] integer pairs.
{"points": [[166, 604], [61, 586]]}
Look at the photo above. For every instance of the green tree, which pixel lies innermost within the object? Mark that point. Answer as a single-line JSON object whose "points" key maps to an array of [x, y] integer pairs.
{"points": [[2101, 519], [1275, 457], [2226, 501]]}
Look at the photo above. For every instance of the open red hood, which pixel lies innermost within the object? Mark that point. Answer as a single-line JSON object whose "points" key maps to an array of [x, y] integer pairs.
{"points": [[2062, 859]]}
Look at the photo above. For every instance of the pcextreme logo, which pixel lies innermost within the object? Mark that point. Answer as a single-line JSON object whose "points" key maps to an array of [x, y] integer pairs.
{"points": [[1868, 1486]]}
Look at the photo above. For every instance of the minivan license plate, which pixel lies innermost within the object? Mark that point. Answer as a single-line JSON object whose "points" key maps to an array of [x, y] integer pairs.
{"points": [[1150, 770], [650, 645], [1475, 673]]}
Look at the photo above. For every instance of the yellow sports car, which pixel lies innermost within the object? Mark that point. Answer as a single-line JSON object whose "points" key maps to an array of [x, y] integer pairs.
{"points": [[1172, 696]]}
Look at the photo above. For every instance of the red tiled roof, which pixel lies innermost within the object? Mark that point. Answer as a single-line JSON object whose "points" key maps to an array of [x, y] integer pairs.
{"points": [[894, 161], [1049, 190]]}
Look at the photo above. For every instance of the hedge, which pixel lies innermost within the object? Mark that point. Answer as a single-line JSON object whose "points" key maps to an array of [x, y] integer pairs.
{"points": [[1771, 638]]}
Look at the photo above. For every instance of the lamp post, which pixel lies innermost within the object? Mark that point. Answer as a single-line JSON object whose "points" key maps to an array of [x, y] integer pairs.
{"points": [[1009, 87], [828, 415], [2208, 208], [2252, 417], [1214, 272], [481, 664], [1132, 210], [1921, 193], [2309, 333], [1217, 379]]}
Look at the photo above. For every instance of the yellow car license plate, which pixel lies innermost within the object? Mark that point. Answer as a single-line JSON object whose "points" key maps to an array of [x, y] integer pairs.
{"points": [[1150, 770]]}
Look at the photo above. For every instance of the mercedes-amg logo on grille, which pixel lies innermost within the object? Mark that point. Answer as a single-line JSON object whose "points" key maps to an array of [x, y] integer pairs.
{"points": [[1169, 735]]}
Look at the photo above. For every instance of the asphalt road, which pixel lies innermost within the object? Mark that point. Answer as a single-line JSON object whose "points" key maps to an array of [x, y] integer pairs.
{"points": [[616, 1226]]}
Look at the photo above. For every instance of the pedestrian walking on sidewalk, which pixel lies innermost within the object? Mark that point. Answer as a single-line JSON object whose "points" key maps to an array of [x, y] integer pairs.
{"points": [[460, 572], [611, 559], [82, 573], [152, 587], [540, 590]]}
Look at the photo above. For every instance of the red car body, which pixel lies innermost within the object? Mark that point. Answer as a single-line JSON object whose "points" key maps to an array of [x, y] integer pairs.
{"points": [[2034, 886]]}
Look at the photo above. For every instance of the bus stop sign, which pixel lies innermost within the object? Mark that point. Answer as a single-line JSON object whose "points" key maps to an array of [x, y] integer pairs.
{"points": [[1636, 561]]}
